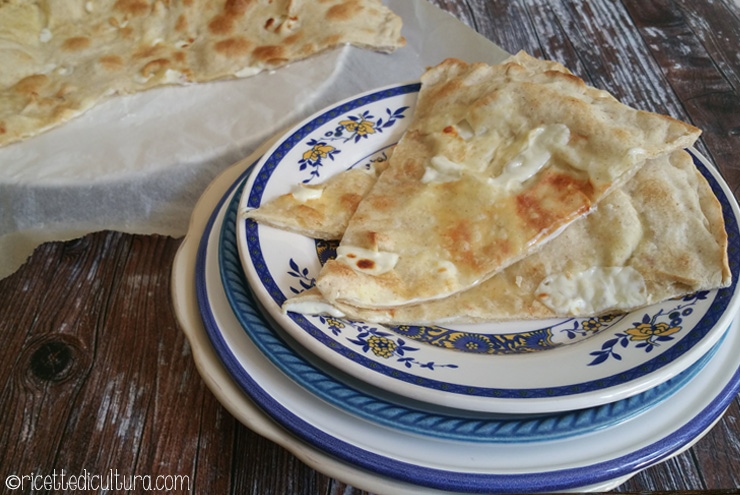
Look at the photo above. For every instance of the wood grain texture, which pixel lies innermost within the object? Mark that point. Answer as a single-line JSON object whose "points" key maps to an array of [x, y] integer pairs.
{"points": [[96, 375], [694, 44]]}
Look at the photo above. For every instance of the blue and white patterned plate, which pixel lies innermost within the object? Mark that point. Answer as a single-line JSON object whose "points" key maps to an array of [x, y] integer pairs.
{"points": [[381, 407], [493, 370], [390, 460]]}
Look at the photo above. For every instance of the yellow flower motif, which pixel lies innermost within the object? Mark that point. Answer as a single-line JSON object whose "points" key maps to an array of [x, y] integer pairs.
{"points": [[469, 342], [362, 128], [317, 152], [333, 322], [381, 346], [646, 331], [592, 324]]}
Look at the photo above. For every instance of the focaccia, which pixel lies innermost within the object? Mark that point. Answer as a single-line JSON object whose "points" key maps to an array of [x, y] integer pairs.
{"points": [[496, 161], [320, 211], [61, 57], [659, 236]]}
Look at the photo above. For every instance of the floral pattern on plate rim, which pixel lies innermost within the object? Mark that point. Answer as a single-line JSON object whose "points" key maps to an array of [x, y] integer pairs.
{"points": [[351, 129], [646, 334]]}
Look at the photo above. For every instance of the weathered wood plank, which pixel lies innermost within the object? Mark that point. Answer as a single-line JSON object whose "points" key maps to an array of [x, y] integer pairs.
{"points": [[676, 474], [717, 455], [101, 382], [215, 457], [265, 468], [55, 357], [717, 25], [689, 51], [505, 23]]}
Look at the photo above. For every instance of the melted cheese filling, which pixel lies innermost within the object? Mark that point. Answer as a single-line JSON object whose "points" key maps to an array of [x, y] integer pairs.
{"points": [[304, 193], [593, 291], [541, 143], [312, 307], [247, 72], [366, 260], [465, 130], [174, 76], [442, 169]]}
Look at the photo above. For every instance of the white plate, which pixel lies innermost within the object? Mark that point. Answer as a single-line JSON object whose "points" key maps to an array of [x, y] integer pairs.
{"points": [[608, 366], [386, 461]]}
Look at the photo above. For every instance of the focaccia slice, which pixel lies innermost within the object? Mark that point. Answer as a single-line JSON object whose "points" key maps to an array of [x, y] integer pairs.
{"points": [[659, 236], [320, 211], [61, 57], [496, 161]]}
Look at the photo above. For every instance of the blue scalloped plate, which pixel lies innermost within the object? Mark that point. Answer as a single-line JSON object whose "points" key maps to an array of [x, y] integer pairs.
{"points": [[608, 366]]}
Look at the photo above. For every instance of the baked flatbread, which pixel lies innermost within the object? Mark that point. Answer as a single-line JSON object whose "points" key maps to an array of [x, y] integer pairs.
{"points": [[496, 161], [320, 211], [61, 57], [659, 236]]}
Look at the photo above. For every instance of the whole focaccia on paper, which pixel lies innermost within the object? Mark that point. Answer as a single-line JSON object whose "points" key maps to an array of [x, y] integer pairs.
{"points": [[58, 58], [660, 235], [496, 161]]}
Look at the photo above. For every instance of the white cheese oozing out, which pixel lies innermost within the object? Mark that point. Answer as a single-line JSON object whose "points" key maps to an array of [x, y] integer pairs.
{"points": [[593, 291], [172, 76], [311, 307], [465, 130], [303, 193], [45, 35], [367, 261], [541, 142], [247, 72], [637, 153], [442, 169]]}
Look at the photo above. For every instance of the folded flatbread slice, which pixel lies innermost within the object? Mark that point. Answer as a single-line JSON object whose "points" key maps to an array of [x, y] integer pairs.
{"points": [[659, 236], [320, 211], [61, 57], [496, 161]]}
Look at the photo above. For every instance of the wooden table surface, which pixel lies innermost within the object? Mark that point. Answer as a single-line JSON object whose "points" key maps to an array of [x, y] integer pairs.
{"points": [[96, 375]]}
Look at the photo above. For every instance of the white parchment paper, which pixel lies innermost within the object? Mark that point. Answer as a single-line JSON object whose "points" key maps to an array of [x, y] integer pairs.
{"points": [[139, 163]]}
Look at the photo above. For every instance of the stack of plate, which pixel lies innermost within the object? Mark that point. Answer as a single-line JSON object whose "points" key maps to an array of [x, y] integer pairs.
{"points": [[517, 407]]}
